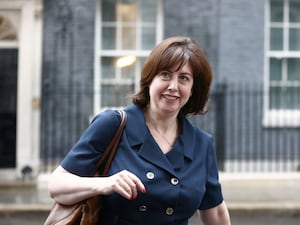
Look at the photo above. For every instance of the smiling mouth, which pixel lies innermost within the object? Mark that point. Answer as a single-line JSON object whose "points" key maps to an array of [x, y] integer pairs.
{"points": [[169, 97]]}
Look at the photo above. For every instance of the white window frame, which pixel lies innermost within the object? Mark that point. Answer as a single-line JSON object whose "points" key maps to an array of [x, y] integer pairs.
{"points": [[278, 117], [99, 53]]}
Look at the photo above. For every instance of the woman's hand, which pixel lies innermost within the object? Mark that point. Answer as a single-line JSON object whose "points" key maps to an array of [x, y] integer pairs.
{"points": [[125, 183]]}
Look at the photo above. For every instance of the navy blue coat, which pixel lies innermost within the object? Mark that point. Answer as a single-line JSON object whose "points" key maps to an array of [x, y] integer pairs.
{"points": [[177, 183]]}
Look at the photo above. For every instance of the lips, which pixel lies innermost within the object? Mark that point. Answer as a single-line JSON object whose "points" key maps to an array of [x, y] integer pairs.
{"points": [[170, 97]]}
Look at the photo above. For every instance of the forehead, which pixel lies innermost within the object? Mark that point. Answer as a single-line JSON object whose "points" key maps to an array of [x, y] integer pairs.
{"points": [[184, 68]]}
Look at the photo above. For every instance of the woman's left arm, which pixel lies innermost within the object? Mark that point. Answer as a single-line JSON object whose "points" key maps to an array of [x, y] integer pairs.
{"points": [[218, 215]]}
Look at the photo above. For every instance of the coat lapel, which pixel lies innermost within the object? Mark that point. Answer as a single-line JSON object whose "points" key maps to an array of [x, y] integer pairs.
{"points": [[150, 152], [140, 139]]}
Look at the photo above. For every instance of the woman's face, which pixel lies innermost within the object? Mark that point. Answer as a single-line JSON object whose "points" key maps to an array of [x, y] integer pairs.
{"points": [[170, 90]]}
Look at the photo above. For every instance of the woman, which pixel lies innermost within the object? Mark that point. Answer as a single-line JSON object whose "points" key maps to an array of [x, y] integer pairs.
{"points": [[165, 169]]}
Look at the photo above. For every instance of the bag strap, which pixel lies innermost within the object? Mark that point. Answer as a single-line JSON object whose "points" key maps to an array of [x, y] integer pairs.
{"points": [[111, 149]]}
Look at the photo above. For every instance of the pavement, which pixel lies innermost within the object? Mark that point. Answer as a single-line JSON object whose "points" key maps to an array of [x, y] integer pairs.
{"points": [[262, 191], [248, 192]]}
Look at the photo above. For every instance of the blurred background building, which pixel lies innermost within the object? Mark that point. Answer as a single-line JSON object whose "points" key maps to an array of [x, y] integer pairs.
{"points": [[63, 61]]}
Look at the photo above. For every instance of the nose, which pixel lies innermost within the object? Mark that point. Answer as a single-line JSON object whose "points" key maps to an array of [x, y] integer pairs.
{"points": [[173, 84]]}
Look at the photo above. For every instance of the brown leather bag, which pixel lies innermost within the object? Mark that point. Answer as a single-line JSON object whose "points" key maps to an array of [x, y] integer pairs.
{"points": [[87, 212]]}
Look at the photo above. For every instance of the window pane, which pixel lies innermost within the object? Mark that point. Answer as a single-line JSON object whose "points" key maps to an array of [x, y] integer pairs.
{"points": [[276, 10], [275, 97], [127, 18], [128, 38], [276, 42], [115, 95], [127, 12], [275, 69], [294, 11], [128, 71], [148, 38], [108, 38], [285, 98], [149, 11], [294, 69], [293, 98], [108, 68], [108, 10], [295, 39]]}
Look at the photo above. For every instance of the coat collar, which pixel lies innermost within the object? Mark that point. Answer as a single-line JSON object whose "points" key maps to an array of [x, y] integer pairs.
{"points": [[139, 138]]}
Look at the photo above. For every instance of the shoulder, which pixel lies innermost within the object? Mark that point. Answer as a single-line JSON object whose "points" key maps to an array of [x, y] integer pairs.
{"points": [[109, 115], [135, 116], [194, 130], [203, 138], [104, 124], [202, 133], [135, 127], [134, 111], [194, 140]]}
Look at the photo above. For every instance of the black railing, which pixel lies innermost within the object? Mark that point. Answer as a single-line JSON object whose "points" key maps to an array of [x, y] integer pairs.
{"points": [[243, 143], [235, 119]]}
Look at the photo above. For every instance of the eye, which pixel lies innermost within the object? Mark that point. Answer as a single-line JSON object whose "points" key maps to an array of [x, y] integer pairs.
{"points": [[185, 77], [165, 75]]}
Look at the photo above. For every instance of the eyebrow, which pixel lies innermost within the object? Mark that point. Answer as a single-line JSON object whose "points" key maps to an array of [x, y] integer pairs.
{"points": [[186, 73]]}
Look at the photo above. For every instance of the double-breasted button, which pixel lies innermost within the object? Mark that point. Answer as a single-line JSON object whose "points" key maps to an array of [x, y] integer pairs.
{"points": [[142, 208], [150, 175], [169, 211], [174, 181]]}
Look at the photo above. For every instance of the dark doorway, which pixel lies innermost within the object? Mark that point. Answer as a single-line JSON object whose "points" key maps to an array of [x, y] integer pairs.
{"points": [[8, 106]]}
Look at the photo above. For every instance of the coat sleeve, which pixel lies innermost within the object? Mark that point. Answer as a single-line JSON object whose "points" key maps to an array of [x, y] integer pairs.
{"points": [[84, 155], [213, 194]]}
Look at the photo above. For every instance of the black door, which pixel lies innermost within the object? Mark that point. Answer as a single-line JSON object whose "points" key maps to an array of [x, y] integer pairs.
{"points": [[8, 107]]}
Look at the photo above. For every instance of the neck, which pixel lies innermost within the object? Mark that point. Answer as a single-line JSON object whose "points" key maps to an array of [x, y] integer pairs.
{"points": [[163, 129], [159, 123]]}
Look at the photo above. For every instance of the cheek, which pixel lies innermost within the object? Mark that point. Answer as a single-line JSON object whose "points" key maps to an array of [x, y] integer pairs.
{"points": [[188, 92], [156, 88], [188, 89], [152, 90]]}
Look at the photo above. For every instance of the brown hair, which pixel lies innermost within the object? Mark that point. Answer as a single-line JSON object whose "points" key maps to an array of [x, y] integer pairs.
{"points": [[177, 51]]}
